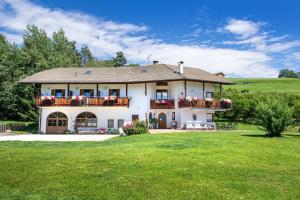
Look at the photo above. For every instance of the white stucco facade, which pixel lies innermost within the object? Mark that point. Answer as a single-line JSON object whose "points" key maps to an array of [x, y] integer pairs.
{"points": [[140, 95]]}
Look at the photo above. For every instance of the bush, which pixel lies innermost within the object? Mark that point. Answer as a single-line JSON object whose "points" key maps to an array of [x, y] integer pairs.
{"points": [[137, 127], [274, 117]]}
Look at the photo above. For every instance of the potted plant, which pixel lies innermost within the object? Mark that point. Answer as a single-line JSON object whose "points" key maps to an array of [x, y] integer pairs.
{"points": [[208, 102], [225, 103]]}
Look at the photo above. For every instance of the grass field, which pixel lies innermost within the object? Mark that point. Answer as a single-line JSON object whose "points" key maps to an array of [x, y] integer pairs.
{"points": [[226, 165], [282, 85]]}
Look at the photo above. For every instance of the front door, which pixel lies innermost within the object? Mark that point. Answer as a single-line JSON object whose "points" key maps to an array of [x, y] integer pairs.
{"points": [[162, 120]]}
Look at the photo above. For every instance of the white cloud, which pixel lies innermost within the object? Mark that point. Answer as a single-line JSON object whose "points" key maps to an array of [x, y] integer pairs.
{"points": [[283, 46], [107, 37], [242, 28], [296, 55]]}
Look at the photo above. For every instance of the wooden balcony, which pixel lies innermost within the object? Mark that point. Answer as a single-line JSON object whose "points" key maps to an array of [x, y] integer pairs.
{"points": [[91, 101], [162, 104], [201, 103]]}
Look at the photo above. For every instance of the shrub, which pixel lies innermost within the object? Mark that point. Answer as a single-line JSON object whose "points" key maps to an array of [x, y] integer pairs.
{"points": [[137, 127], [114, 131], [274, 117]]}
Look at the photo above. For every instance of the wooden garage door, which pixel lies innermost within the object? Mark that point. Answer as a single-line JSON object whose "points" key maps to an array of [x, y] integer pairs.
{"points": [[57, 123]]}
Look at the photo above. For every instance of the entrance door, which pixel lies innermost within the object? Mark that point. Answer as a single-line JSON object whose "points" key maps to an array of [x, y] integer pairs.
{"points": [[162, 120], [57, 123]]}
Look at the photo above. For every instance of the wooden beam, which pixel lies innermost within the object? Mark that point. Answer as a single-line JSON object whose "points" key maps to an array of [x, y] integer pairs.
{"points": [[184, 88], [203, 90], [126, 89], [68, 90], [145, 89], [97, 88], [40, 89]]}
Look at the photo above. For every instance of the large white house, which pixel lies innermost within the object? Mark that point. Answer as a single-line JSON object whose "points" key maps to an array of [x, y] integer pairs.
{"points": [[95, 98]]}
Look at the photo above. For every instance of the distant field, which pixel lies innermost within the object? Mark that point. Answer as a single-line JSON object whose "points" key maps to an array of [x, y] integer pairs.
{"points": [[283, 85]]}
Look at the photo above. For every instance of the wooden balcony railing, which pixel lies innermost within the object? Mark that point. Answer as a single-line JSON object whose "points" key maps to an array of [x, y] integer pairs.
{"points": [[162, 104], [201, 103], [91, 101]]}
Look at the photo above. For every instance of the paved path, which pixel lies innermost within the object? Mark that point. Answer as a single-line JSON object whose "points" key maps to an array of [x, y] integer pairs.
{"points": [[62, 138]]}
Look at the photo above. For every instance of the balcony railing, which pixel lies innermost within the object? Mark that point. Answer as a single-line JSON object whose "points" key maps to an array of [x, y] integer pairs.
{"points": [[202, 103], [89, 101], [162, 104]]}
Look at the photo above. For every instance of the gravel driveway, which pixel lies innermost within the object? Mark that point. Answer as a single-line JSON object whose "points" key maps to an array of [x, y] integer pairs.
{"points": [[62, 138]]}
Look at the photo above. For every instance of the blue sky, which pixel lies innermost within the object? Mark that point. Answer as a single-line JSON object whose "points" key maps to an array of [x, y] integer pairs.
{"points": [[241, 38]]}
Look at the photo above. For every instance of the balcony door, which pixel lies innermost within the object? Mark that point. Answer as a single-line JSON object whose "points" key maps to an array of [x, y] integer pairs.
{"points": [[161, 94]]}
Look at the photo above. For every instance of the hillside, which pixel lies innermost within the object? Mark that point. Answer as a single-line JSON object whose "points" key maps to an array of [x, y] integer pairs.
{"points": [[282, 85]]}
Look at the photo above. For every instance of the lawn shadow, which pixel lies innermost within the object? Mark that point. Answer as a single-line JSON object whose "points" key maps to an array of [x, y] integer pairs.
{"points": [[291, 135], [256, 135]]}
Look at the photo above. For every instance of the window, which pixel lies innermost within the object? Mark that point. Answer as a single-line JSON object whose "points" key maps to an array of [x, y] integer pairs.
{"points": [[120, 123], [70, 93], [86, 119], [173, 115], [87, 92], [58, 93], [135, 117], [110, 123], [209, 95], [209, 117], [194, 117], [161, 94], [51, 122], [114, 92]]}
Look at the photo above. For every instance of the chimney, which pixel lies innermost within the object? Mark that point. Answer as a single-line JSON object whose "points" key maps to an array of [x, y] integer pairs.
{"points": [[180, 67], [155, 62]]}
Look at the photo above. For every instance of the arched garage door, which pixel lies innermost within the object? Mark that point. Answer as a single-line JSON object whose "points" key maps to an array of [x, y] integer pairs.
{"points": [[57, 123]]}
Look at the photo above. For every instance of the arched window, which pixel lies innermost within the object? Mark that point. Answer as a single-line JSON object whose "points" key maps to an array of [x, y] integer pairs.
{"points": [[86, 119]]}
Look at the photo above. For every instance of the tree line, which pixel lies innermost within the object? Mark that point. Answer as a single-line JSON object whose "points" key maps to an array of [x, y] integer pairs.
{"points": [[37, 53], [286, 73]]}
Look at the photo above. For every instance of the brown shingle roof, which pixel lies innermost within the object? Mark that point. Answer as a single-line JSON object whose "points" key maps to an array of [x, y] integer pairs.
{"points": [[152, 73]]}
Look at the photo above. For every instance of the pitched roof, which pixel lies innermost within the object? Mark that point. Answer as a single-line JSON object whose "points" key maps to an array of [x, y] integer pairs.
{"points": [[151, 73]]}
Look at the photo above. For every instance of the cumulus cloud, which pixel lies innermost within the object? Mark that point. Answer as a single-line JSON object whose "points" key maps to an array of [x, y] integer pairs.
{"points": [[106, 37], [242, 28]]}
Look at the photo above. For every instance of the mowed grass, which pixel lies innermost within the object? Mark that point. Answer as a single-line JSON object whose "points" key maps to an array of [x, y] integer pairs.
{"points": [[199, 165], [282, 85]]}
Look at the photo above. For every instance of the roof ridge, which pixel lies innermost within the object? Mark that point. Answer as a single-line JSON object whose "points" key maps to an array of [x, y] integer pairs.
{"points": [[176, 72]]}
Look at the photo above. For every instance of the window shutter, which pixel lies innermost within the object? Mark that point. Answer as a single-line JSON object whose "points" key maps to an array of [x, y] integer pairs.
{"points": [[63, 92], [110, 92], [118, 92], [92, 92], [81, 92], [52, 92]]}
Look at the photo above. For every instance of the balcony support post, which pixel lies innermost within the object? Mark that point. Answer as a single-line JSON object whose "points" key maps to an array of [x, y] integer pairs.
{"points": [[68, 90], [203, 90], [40, 90], [145, 89], [184, 88], [97, 90]]}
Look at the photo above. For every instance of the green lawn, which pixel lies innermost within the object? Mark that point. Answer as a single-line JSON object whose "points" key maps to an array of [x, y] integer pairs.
{"points": [[286, 85], [232, 165]]}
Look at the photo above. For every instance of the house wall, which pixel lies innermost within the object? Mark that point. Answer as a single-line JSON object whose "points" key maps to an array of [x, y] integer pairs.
{"points": [[139, 103]]}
